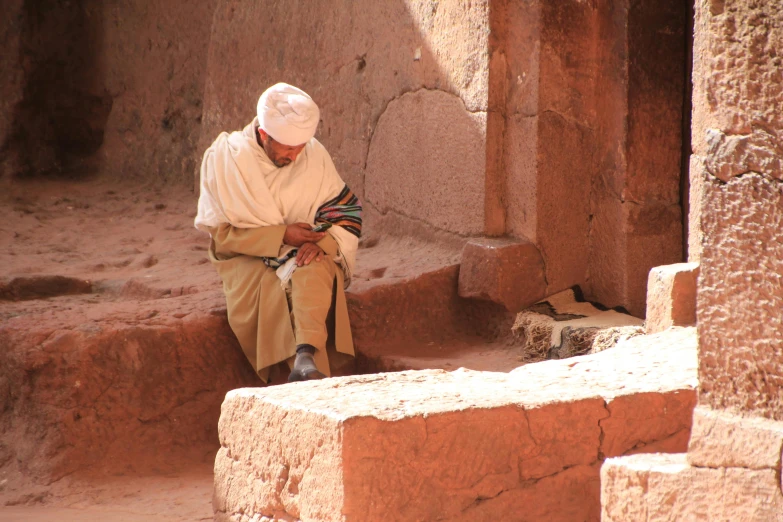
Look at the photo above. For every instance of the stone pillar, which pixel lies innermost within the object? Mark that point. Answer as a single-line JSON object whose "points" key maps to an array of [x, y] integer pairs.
{"points": [[733, 465], [738, 137]]}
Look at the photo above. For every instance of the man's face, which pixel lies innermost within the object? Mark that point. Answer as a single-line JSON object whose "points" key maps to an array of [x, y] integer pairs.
{"points": [[281, 155]]}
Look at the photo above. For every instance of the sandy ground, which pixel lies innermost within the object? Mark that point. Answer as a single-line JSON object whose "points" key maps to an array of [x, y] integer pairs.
{"points": [[185, 496], [108, 234], [123, 251]]}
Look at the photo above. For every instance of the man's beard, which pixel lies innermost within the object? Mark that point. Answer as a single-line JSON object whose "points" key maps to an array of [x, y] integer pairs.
{"points": [[280, 163]]}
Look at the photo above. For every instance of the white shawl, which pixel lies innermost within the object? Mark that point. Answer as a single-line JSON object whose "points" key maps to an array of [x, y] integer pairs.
{"points": [[241, 186]]}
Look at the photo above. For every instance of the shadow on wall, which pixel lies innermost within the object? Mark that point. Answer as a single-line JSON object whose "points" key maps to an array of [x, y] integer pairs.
{"points": [[403, 87], [113, 87], [59, 122]]}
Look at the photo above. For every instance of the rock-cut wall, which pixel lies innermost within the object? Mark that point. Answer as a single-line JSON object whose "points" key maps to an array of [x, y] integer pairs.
{"points": [[112, 87], [738, 168], [402, 86], [558, 122]]}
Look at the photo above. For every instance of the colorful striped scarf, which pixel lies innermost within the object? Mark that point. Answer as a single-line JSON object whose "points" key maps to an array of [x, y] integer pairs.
{"points": [[345, 211]]}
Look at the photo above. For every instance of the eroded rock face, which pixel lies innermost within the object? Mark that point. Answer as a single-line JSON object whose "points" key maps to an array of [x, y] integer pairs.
{"points": [[658, 488], [671, 296], [741, 296], [723, 440], [732, 469], [154, 68], [426, 161], [353, 59], [507, 272], [738, 108], [115, 351], [114, 88], [465, 445], [102, 395]]}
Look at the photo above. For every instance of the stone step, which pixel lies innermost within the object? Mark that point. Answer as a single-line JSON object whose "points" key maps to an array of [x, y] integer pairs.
{"points": [[462, 445], [472, 353], [662, 488]]}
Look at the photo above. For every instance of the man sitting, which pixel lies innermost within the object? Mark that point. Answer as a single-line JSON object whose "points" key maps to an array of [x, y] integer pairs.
{"points": [[262, 192]]}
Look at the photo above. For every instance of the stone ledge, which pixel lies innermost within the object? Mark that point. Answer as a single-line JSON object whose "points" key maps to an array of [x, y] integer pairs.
{"points": [[721, 439], [424, 445], [509, 272], [671, 296], [663, 487]]}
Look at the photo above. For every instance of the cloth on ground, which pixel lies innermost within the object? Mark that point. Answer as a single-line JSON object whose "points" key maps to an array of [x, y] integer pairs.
{"points": [[565, 325]]}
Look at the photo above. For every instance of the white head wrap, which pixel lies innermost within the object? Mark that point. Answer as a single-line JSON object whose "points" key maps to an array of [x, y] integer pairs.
{"points": [[288, 114]]}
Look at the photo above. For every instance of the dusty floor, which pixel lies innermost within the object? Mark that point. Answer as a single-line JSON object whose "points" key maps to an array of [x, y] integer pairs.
{"points": [[185, 496], [113, 254]]}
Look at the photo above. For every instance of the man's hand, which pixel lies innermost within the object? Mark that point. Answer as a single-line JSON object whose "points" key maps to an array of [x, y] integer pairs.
{"points": [[307, 253], [298, 234]]}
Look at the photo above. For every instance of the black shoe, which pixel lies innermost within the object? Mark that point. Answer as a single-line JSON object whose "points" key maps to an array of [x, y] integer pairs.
{"points": [[305, 368], [305, 375]]}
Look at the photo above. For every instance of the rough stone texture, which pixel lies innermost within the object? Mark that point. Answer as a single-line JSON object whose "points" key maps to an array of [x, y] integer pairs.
{"points": [[153, 57], [89, 384], [723, 440], [566, 113], [737, 76], [737, 111], [123, 80], [504, 91], [427, 159], [697, 178], [460, 446], [115, 353], [732, 155], [635, 208], [737, 213], [741, 295], [671, 296], [41, 286], [355, 61], [94, 395], [504, 271], [658, 488], [11, 82], [520, 151], [404, 301], [581, 130], [505, 97]]}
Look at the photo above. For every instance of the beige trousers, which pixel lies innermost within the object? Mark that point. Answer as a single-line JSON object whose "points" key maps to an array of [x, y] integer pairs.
{"points": [[268, 321]]}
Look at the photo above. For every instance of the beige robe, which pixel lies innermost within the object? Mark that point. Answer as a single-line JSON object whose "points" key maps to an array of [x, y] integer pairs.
{"points": [[245, 204]]}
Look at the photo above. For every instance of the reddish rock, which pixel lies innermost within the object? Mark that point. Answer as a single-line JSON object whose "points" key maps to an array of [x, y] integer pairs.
{"points": [[723, 440], [509, 272], [103, 395], [671, 296], [116, 356], [741, 296], [358, 62], [432, 132], [124, 80], [12, 80], [463, 445], [661, 488], [41, 287], [737, 124]]}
